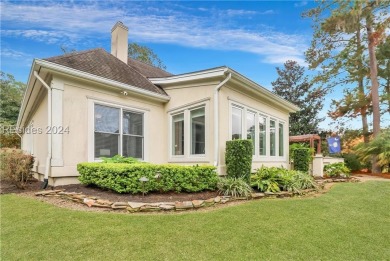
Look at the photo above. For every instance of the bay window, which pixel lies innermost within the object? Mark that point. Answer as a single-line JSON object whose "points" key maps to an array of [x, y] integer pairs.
{"points": [[265, 132]]}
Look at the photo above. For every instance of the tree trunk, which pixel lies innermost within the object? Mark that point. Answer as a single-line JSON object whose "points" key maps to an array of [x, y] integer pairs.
{"points": [[361, 91], [375, 85]]}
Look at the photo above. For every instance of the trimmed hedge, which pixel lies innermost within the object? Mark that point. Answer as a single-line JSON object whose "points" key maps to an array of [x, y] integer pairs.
{"points": [[238, 159], [124, 178], [302, 158]]}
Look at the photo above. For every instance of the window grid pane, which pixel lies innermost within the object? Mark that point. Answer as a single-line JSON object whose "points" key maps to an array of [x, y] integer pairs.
{"points": [[132, 123], [272, 137], [178, 134], [281, 143], [106, 145], [198, 131], [133, 146], [262, 136], [251, 128], [236, 123]]}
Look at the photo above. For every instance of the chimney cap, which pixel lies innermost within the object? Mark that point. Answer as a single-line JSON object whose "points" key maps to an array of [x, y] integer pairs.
{"points": [[121, 25]]}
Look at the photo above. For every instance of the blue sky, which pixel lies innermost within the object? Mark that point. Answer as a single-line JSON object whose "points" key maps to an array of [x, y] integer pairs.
{"points": [[251, 37]]}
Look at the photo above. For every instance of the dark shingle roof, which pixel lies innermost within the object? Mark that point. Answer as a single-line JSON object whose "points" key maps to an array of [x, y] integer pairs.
{"points": [[101, 63]]}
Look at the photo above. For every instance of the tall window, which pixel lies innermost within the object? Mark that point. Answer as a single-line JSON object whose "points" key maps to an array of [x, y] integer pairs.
{"points": [[188, 134], [281, 139], [236, 123], [251, 128], [262, 135], [178, 134], [272, 137], [133, 140], [111, 140], [198, 131]]}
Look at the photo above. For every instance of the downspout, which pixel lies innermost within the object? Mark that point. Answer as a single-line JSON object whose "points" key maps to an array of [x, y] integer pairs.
{"points": [[49, 137], [216, 118]]}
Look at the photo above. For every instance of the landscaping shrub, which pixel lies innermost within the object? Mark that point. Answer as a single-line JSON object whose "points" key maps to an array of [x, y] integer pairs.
{"points": [[124, 178], [338, 169], [275, 179], [302, 158], [234, 187], [120, 159], [352, 162], [9, 141], [239, 159], [15, 166]]}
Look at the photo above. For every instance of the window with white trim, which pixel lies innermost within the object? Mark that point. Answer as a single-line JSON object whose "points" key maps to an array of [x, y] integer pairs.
{"points": [[118, 131], [188, 132], [266, 132]]}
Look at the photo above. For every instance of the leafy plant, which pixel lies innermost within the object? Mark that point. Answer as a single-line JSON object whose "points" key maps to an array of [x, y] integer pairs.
{"points": [[239, 159], [338, 169], [379, 146], [235, 187], [15, 166], [352, 161], [120, 159], [275, 179], [124, 177]]}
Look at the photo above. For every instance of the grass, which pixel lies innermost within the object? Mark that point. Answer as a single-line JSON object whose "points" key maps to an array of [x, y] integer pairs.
{"points": [[351, 222]]}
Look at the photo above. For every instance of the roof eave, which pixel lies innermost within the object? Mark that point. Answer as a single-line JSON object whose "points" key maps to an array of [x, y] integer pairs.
{"points": [[101, 80]]}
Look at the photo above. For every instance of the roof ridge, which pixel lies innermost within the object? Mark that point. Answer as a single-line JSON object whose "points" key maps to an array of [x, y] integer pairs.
{"points": [[74, 53]]}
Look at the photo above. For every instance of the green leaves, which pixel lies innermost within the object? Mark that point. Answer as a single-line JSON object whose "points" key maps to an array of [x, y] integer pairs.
{"points": [[234, 187], [337, 169], [124, 178], [302, 158], [239, 159], [146, 55]]}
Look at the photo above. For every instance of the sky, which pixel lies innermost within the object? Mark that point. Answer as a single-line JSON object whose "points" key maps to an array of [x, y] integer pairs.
{"points": [[251, 37]]}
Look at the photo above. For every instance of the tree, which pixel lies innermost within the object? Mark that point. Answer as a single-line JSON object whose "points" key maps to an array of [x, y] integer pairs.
{"points": [[11, 96], [338, 50], [145, 54], [294, 86]]}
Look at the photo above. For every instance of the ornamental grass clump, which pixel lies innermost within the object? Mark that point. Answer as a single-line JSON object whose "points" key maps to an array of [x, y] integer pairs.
{"points": [[15, 166], [234, 187]]}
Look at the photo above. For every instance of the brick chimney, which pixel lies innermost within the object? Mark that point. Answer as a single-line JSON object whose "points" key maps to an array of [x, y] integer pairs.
{"points": [[119, 41]]}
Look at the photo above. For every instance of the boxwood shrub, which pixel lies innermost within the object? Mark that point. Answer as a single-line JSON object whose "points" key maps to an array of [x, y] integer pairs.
{"points": [[124, 178], [238, 159], [302, 158]]}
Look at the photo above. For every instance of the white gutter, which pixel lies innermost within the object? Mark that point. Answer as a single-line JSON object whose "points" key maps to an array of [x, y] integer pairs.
{"points": [[216, 118], [49, 137]]}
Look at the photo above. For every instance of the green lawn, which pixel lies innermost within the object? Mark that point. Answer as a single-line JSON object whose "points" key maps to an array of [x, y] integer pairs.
{"points": [[351, 222]]}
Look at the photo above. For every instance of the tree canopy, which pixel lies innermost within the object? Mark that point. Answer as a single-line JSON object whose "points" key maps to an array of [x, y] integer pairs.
{"points": [[145, 54], [294, 86], [11, 96]]}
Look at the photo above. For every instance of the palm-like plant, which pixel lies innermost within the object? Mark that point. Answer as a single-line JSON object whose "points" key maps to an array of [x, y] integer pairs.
{"points": [[379, 146]]}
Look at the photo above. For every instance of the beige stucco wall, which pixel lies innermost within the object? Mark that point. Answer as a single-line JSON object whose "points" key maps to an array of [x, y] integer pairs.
{"points": [[34, 138], [76, 99]]}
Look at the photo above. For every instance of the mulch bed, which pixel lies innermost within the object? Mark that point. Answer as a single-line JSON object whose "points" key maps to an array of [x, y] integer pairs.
{"points": [[366, 173], [35, 185]]}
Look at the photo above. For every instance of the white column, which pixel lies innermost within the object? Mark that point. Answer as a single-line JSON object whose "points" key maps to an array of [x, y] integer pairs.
{"points": [[57, 127], [318, 165]]}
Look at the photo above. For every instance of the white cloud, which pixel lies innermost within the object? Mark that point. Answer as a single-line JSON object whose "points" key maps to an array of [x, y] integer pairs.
{"points": [[66, 22], [300, 4]]}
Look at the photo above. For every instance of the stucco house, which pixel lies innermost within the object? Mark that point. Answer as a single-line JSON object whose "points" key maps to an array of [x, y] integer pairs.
{"points": [[86, 105]]}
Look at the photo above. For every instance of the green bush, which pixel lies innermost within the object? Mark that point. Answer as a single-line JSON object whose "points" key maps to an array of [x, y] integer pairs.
{"points": [[302, 158], [338, 169], [239, 159], [235, 187], [275, 179], [15, 166], [120, 159], [124, 178], [352, 162]]}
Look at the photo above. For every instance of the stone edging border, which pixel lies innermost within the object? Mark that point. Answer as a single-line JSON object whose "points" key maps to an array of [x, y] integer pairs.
{"points": [[133, 207]]}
